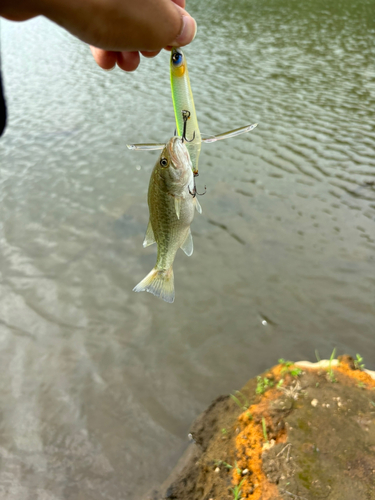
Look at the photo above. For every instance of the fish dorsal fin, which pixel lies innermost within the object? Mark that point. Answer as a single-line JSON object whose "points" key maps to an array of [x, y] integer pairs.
{"points": [[187, 245], [177, 206], [149, 238], [198, 205]]}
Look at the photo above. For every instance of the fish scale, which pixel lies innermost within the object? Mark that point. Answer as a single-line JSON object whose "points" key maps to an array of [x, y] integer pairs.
{"points": [[171, 206]]}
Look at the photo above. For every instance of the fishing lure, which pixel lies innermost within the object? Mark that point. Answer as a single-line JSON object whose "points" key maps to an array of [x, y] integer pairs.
{"points": [[183, 103]]}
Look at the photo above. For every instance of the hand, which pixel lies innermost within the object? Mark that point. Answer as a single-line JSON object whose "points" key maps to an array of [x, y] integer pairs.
{"points": [[156, 31], [117, 30]]}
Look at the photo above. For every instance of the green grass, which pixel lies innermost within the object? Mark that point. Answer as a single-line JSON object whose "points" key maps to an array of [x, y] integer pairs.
{"points": [[240, 400], [287, 368], [358, 363], [224, 464], [280, 383], [264, 428], [263, 383], [237, 491], [239, 471], [331, 375]]}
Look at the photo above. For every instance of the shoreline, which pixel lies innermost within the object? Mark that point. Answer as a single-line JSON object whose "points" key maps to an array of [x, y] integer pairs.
{"points": [[298, 431]]}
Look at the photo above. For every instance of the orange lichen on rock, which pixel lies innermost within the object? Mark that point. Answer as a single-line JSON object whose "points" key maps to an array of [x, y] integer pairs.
{"points": [[305, 435], [250, 441], [249, 445], [347, 368]]}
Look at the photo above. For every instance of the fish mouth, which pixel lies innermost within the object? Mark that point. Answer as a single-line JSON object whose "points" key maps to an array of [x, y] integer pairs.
{"points": [[177, 151]]}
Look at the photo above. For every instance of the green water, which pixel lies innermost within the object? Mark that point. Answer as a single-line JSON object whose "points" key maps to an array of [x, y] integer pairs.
{"points": [[98, 385]]}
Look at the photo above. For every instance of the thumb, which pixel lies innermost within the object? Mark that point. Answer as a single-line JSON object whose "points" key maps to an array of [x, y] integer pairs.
{"points": [[124, 25], [161, 23], [187, 31]]}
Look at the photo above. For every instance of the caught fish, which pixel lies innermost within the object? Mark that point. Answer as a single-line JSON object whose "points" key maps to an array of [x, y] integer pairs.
{"points": [[172, 201], [183, 102]]}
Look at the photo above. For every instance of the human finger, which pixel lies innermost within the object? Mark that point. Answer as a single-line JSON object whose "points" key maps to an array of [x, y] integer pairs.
{"points": [[128, 61], [106, 59], [147, 53], [180, 3]]}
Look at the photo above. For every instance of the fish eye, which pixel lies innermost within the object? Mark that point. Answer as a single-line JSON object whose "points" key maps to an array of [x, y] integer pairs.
{"points": [[164, 162], [177, 58]]}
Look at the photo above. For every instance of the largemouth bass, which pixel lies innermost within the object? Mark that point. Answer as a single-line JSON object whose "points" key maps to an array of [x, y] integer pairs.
{"points": [[172, 201]]}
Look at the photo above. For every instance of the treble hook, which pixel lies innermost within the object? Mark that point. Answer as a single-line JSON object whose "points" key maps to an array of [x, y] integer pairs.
{"points": [[195, 192], [185, 117]]}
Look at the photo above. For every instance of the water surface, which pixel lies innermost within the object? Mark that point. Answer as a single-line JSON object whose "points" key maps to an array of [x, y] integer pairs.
{"points": [[98, 385]]}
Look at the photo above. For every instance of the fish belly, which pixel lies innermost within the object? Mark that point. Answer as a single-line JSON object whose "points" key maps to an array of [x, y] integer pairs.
{"points": [[170, 231]]}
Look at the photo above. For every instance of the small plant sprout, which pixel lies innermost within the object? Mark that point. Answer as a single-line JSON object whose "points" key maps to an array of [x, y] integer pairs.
{"points": [[249, 415], [280, 383], [224, 464], [295, 372], [287, 368], [317, 355], [237, 491], [241, 400], [362, 385], [263, 383], [264, 427], [358, 363], [238, 470], [330, 374], [224, 431]]}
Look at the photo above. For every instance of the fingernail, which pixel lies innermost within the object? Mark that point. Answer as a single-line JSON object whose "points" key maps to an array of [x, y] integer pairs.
{"points": [[188, 32]]}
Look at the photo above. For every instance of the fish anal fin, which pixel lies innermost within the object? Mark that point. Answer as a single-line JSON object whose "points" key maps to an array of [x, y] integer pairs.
{"points": [[177, 206], [197, 205], [149, 237], [187, 245], [159, 282]]}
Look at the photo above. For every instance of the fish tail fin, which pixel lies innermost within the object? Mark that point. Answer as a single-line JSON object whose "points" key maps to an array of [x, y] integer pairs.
{"points": [[160, 282]]}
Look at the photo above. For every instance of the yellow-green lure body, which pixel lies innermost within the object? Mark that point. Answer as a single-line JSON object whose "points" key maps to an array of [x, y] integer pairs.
{"points": [[182, 98]]}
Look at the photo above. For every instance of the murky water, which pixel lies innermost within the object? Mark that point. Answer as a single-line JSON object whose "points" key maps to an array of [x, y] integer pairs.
{"points": [[99, 385]]}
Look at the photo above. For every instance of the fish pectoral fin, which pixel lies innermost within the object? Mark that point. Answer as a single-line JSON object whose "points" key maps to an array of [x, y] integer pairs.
{"points": [[177, 206], [197, 205], [149, 238], [159, 282], [187, 245]]}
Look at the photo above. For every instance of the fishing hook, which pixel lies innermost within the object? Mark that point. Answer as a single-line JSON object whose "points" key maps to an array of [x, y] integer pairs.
{"points": [[195, 192], [185, 117]]}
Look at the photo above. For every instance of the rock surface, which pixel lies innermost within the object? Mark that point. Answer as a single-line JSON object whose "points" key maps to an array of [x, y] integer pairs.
{"points": [[300, 431]]}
